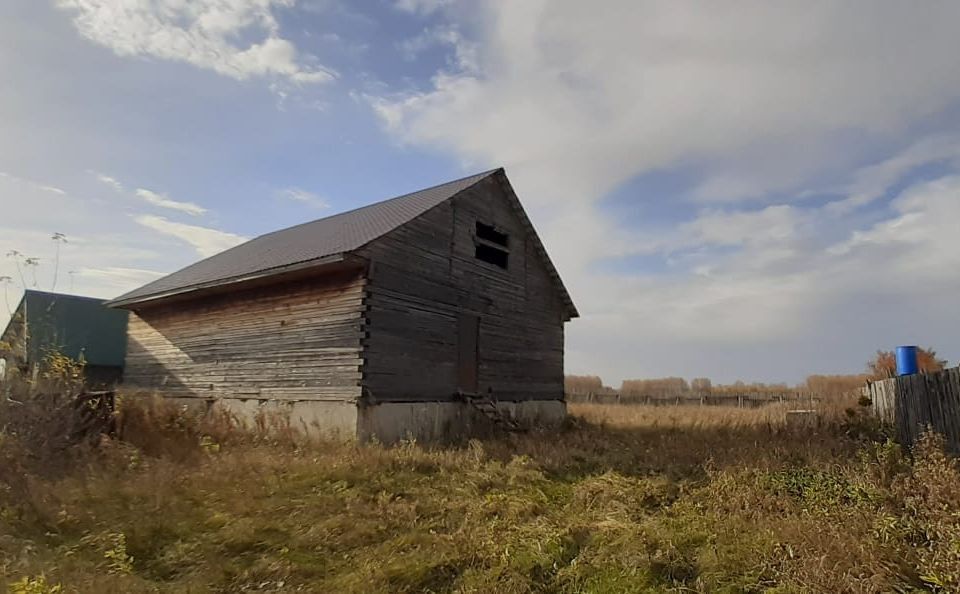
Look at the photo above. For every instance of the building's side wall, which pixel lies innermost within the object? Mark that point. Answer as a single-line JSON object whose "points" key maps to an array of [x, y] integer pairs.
{"points": [[424, 276], [13, 343], [292, 342]]}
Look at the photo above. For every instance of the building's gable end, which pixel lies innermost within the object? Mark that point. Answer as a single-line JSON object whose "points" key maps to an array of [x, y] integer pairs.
{"points": [[494, 187], [537, 246], [498, 250], [427, 288], [75, 327]]}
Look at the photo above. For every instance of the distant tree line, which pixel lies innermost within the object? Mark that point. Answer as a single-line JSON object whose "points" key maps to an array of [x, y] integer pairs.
{"points": [[678, 387], [881, 366]]}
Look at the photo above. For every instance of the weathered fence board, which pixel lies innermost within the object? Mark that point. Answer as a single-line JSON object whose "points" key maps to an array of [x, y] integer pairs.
{"points": [[917, 403]]}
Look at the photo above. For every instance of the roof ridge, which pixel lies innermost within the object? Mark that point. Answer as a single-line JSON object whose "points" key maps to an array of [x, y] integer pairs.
{"points": [[339, 233], [479, 176], [57, 294]]}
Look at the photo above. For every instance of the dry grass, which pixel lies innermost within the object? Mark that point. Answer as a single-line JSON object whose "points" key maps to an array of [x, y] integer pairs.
{"points": [[772, 417], [677, 417], [626, 499]]}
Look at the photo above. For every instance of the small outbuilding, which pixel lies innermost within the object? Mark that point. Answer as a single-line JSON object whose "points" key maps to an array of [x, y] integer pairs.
{"points": [[81, 328], [415, 317]]}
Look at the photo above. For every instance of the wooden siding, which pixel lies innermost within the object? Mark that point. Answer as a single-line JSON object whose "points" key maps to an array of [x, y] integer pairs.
{"points": [[424, 274], [296, 340]]}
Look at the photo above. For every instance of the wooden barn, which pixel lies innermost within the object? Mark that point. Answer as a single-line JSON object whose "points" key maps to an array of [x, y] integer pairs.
{"points": [[81, 328], [415, 317]]}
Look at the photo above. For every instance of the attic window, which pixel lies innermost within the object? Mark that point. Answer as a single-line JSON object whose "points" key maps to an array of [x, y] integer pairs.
{"points": [[488, 233], [491, 245], [492, 255]]}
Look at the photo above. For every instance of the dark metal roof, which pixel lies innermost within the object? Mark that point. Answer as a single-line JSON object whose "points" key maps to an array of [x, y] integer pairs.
{"points": [[304, 243], [325, 241], [75, 327]]}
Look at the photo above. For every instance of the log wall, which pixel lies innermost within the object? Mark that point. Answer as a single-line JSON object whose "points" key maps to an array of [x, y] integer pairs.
{"points": [[424, 276], [291, 341]]}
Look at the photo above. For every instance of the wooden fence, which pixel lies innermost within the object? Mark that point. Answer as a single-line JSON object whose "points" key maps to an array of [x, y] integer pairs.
{"points": [[745, 400], [915, 403]]}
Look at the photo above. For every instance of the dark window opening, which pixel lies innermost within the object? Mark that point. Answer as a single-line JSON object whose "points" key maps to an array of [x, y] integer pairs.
{"points": [[492, 255], [488, 233]]}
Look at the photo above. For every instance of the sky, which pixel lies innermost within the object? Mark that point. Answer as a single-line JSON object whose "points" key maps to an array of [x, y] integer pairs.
{"points": [[738, 190]]}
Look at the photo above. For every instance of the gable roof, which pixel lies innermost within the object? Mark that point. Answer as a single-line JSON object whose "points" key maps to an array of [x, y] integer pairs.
{"points": [[315, 243], [73, 325]]}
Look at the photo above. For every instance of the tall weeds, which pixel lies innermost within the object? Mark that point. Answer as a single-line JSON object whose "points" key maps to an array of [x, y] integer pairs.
{"points": [[625, 499]]}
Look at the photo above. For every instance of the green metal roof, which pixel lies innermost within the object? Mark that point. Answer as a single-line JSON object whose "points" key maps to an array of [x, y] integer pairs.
{"points": [[73, 325]]}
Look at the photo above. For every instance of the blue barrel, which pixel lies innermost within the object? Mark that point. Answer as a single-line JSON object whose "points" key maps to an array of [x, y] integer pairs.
{"points": [[907, 360]]}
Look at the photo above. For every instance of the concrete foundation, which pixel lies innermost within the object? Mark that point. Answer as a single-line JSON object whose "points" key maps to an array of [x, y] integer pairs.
{"points": [[385, 422], [391, 422], [329, 419]]}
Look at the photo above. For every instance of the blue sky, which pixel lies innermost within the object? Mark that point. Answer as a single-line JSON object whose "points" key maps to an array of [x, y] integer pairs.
{"points": [[759, 192]]}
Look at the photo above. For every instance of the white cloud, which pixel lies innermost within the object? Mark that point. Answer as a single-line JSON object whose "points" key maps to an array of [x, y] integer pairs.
{"points": [[465, 55], [576, 102], [204, 240], [922, 232], [105, 255], [794, 305], [424, 7], [304, 197], [164, 202], [117, 276], [33, 184], [53, 189], [151, 197], [872, 182], [109, 180], [203, 33], [772, 224], [610, 94]]}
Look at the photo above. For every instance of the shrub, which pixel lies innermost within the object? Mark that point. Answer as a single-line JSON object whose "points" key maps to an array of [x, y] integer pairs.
{"points": [[627, 498]]}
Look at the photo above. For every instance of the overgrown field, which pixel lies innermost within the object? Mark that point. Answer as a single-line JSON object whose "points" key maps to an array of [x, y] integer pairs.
{"points": [[626, 499]]}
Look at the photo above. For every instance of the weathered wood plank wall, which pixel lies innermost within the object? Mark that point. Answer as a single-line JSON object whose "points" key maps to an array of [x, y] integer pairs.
{"points": [[297, 340], [914, 403], [424, 275]]}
